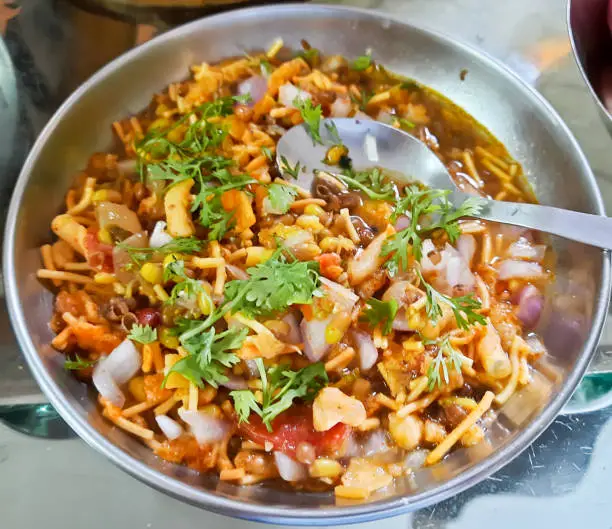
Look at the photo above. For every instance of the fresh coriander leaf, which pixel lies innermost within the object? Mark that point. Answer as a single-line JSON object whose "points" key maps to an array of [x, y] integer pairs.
{"points": [[273, 286], [361, 63], [312, 118], [245, 403], [333, 132], [310, 55], [267, 153], [280, 387], [464, 307], [447, 356], [185, 245], [208, 355], [372, 183], [363, 100], [285, 167], [77, 363], [405, 124], [380, 312], [266, 67], [280, 198], [143, 334], [185, 287]]}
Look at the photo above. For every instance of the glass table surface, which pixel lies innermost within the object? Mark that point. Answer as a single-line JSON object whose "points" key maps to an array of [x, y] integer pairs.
{"points": [[49, 46]]}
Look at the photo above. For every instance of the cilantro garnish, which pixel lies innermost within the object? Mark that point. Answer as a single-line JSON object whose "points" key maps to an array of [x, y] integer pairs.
{"points": [[285, 167], [361, 63], [333, 132], [380, 312], [280, 387], [267, 153], [405, 124], [310, 55], [273, 286], [372, 183], [185, 287], [312, 118], [208, 355], [185, 245], [280, 197], [463, 307], [446, 357], [363, 100], [77, 363], [143, 334]]}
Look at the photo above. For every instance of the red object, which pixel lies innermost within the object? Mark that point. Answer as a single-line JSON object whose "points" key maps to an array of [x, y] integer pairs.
{"points": [[148, 316], [99, 255], [293, 427], [329, 263]]}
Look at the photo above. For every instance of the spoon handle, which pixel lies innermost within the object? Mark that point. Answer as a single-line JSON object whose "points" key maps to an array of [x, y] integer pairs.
{"points": [[583, 227]]}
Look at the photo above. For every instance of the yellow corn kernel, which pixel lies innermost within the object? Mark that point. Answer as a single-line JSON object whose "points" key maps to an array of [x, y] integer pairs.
{"points": [[101, 195], [171, 258], [174, 380], [105, 236], [325, 468], [309, 222], [314, 209], [159, 123], [167, 339], [103, 278], [335, 154], [152, 273], [257, 254], [351, 493], [205, 303], [136, 387], [212, 410], [333, 334], [176, 134]]}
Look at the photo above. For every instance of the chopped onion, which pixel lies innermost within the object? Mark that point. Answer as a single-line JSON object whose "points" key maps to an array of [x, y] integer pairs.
{"points": [[416, 459], [512, 269], [530, 306], [123, 362], [289, 469], [121, 257], [368, 354], [466, 245], [427, 265], [127, 166], [237, 272], [368, 261], [384, 116], [402, 223], [397, 291], [293, 336], [522, 249], [341, 107], [255, 86], [370, 147], [288, 93], [169, 427], [535, 344], [159, 236], [339, 294], [111, 214], [106, 386], [376, 443], [205, 428], [235, 382]]}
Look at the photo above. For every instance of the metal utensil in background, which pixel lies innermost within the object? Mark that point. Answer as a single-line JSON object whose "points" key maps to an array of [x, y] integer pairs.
{"points": [[409, 158]]}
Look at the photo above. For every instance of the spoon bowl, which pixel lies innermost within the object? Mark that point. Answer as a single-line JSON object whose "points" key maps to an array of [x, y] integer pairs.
{"points": [[375, 144]]}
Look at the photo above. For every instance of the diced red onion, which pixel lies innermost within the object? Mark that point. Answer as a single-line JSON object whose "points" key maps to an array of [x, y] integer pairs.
{"points": [[287, 94], [427, 265], [169, 427], [341, 107], [159, 236], [121, 257], [205, 428], [123, 362], [530, 306], [535, 344], [339, 294], [235, 382], [293, 336], [512, 269], [402, 223], [368, 354], [416, 459], [106, 386], [298, 238], [368, 261], [289, 469], [111, 214], [237, 272], [255, 86], [458, 273], [397, 291], [376, 443], [466, 246], [522, 249]]}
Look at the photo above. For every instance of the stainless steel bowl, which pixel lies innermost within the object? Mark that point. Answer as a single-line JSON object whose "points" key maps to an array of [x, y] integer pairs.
{"points": [[516, 114]]}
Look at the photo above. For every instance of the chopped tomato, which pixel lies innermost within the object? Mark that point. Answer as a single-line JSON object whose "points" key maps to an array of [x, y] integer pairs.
{"points": [[293, 427], [329, 264], [99, 255]]}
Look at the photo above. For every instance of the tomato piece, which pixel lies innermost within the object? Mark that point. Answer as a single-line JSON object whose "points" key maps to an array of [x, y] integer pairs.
{"points": [[293, 427], [329, 263], [99, 255]]}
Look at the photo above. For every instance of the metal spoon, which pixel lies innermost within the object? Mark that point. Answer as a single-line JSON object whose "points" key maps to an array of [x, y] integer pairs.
{"points": [[404, 155]]}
